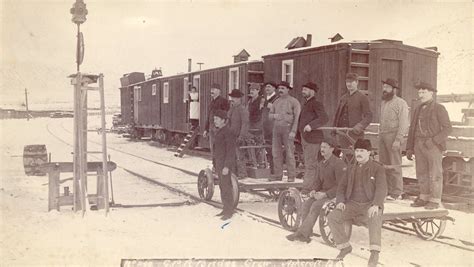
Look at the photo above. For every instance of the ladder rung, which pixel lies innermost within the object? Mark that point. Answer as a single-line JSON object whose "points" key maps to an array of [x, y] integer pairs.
{"points": [[94, 109], [93, 130], [186, 140], [94, 174], [360, 51], [94, 152], [179, 149], [90, 88], [362, 65]]}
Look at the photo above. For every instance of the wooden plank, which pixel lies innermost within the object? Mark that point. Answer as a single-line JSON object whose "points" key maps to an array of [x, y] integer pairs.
{"points": [[68, 166], [53, 190]]}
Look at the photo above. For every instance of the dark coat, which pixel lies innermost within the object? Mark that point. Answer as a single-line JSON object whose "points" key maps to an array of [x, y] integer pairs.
{"points": [[219, 103], [224, 149], [374, 181], [312, 113], [267, 122], [358, 108], [439, 125], [329, 175], [239, 121]]}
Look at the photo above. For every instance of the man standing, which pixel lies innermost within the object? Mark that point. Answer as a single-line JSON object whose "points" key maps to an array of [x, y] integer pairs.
{"points": [[224, 158], [217, 103], [360, 197], [323, 187], [353, 111], [312, 117], [270, 98], [429, 129], [285, 112], [393, 127], [255, 107], [239, 126]]}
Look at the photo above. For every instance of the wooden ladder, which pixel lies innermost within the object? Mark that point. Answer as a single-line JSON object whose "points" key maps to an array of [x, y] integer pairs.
{"points": [[80, 149], [188, 140], [359, 62]]}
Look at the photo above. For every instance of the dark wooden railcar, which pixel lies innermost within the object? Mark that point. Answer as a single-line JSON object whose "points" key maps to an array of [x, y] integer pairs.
{"points": [[372, 60], [126, 94]]}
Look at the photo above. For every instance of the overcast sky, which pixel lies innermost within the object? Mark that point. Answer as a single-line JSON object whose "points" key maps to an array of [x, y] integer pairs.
{"points": [[38, 37]]}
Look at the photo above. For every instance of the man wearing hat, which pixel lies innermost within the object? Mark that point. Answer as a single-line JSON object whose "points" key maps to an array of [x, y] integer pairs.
{"points": [[429, 129], [284, 112], [239, 126], [359, 199], [224, 158], [393, 127], [217, 103], [353, 111], [322, 188], [270, 97], [312, 116]]}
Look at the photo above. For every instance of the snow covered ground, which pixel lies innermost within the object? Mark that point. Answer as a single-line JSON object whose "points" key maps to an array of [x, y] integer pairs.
{"points": [[29, 235]]}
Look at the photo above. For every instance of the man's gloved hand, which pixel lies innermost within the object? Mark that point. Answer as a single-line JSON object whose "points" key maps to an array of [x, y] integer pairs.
{"points": [[409, 154], [358, 129]]}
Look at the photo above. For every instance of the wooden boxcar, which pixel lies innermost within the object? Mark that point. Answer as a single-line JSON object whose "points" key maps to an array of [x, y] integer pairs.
{"points": [[158, 107], [372, 60]]}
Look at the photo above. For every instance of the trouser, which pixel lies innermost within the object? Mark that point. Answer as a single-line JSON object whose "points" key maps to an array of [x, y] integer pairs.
{"points": [[310, 212], [212, 134], [281, 141], [388, 156], [310, 152], [429, 170], [225, 185], [268, 141], [240, 166], [355, 213]]}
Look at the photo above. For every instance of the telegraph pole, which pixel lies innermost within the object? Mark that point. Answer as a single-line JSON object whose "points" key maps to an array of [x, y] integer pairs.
{"points": [[26, 103]]}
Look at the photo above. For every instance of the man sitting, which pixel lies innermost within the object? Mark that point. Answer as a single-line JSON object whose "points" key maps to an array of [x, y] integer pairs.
{"points": [[322, 189], [359, 199]]}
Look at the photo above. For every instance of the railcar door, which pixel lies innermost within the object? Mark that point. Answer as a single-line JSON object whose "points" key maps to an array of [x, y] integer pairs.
{"points": [[136, 99]]}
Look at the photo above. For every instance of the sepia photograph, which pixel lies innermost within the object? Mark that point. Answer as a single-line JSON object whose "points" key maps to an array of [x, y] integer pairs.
{"points": [[236, 133]]}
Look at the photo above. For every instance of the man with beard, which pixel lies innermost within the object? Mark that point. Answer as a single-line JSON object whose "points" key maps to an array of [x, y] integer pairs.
{"points": [[353, 111], [393, 127], [429, 129], [312, 117], [270, 97], [322, 188], [217, 103], [359, 199], [285, 112], [239, 127]]}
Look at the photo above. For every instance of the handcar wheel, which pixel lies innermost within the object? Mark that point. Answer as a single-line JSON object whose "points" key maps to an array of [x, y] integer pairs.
{"points": [[289, 205], [205, 184], [429, 229], [235, 189], [324, 229]]}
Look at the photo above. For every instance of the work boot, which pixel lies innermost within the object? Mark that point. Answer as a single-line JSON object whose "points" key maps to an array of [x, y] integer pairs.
{"points": [[293, 236], [226, 216], [220, 214], [303, 238], [343, 252], [419, 203], [393, 197], [374, 258], [432, 206]]}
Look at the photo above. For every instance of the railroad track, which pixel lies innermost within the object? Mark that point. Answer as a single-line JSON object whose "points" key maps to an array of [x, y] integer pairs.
{"points": [[257, 217]]}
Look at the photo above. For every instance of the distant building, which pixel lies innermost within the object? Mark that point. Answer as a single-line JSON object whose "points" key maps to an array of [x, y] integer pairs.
{"points": [[241, 56]]}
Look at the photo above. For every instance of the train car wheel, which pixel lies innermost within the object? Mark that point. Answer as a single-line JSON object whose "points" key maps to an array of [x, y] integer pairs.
{"points": [[205, 184], [289, 206], [235, 189], [324, 229], [429, 229]]}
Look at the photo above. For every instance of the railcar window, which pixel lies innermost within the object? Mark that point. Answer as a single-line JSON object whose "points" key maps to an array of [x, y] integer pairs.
{"points": [[153, 89], [233, 78], [166, 92], [287, 71]]}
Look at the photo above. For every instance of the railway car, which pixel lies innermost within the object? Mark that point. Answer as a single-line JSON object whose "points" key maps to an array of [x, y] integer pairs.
{"points": [[158, 107]]}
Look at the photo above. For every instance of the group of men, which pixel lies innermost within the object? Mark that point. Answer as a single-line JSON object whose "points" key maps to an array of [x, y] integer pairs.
{"points": [[360, 189]]}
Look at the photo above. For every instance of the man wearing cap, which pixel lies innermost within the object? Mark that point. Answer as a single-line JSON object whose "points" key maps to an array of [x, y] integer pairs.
{"points": [[239, 126], [393, 127], [270, 97], [285, 112], [353, 111], [217, 103], [359, 199], [429, 129], [224, 158], [322, 188], [312, 116]]}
